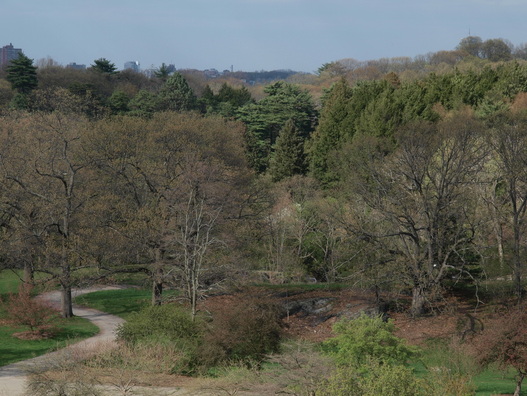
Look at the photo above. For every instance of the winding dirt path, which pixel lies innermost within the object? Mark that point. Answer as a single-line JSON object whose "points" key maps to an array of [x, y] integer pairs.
{"points": [[13, 377]]}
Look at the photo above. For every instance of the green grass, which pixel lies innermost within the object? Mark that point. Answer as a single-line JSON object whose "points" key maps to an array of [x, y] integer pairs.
{"points": [[118, 302], [9, 281], [488, 382], [492, 382], [13, 349]]}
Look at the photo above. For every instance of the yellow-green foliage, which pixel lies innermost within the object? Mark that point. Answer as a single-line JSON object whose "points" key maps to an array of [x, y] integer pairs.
{"points": [[381, 379], [365, 338]]}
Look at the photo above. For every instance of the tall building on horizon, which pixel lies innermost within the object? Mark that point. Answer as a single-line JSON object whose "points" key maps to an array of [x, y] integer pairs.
{"points": [[75, 66], [132, 65], [8, 53]]}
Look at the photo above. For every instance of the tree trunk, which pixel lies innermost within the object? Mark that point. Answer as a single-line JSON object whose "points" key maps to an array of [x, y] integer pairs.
{"points": [[67, 309], [519, 381], [28, 274], [157, 292], [517, 264], [194, 297], [157, 277], [418, 301], [498, 232]]}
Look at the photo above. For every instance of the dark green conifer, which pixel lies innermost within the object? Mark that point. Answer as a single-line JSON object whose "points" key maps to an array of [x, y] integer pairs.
{"points": [[177, 95], [335, 123], [22, 74], [288, 158]]}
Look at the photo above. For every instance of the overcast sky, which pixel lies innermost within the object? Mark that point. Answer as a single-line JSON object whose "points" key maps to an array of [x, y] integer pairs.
{"points": [[251, 35]]}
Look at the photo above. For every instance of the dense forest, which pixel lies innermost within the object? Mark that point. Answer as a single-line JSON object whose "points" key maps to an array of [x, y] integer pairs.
{"points": [[396, 175]]}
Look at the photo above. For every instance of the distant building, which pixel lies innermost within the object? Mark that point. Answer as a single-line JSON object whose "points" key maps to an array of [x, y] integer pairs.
{"points": [[132, 65], [8, 53], [211, 73], [73, 65]]}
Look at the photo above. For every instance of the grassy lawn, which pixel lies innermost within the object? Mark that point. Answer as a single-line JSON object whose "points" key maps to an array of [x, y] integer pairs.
{"points": [[118, 302], [488, 382], [13, 349], [492, 382], [9, 281]]}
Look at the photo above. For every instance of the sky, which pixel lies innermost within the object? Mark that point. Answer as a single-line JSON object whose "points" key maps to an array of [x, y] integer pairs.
{"points": [[251, 35]]}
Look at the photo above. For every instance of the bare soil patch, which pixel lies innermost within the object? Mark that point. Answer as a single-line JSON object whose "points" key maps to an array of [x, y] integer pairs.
{"points": [[453, 316]]}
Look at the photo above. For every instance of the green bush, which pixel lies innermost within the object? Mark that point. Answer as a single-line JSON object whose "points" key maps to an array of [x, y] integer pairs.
{"points": [[370, 360], [381, 379], [244, 333], [168, 325], [164, 324], [359, 340]]}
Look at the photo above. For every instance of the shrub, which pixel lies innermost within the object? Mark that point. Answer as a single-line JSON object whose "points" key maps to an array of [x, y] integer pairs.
{"points": [[161, 324], [504, 342], [246, 332], [167, 325], [364, 338], [381, 379], [23, 310], [44, 384], [370, 360]]}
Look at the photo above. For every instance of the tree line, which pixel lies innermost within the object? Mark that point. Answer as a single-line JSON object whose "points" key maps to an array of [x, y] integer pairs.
{"points": [[389, 184]]}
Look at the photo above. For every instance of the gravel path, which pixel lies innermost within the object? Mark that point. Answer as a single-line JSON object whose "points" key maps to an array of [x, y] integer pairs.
{"points": [[14, 376]]}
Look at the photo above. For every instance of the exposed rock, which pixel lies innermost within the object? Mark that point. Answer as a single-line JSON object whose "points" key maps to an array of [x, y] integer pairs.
{"points": [[311, 306]]}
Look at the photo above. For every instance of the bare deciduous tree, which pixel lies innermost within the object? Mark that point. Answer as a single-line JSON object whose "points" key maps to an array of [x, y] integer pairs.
{"points": [[42, 161], [509, 141], [421, 193]]}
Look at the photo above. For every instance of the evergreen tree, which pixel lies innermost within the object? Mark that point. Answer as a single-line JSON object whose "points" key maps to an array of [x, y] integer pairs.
{"points": [[288, 158], [226, 102], [162, 72], [413, 100], [381, 117], [144, 104], [268, 116], [230, 99], [335, 121], [118, 102], [22, 74], [103, 65], [177, 95], [207, 101]]}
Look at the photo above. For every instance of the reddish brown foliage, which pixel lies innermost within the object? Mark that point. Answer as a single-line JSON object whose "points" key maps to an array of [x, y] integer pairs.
{"points": [[504, 342], [246, 331], [23, 310]]}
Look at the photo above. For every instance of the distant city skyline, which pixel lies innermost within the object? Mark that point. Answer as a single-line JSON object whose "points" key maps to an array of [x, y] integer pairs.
{"points": [[251, 35], [7, 53]]}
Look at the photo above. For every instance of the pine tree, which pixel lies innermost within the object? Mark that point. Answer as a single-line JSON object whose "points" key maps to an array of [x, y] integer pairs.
{"points": [[103, 65], [335, 123], [177, 95], [22, 74], [288, 158], [162, 72], [266, 118]]}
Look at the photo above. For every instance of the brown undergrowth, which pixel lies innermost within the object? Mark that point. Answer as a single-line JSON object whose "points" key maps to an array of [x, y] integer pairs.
{"points": [[308, 316]]}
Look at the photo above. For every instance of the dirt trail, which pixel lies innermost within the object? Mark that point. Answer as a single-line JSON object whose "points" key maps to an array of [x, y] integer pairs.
{"points": [[14, 376]]}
